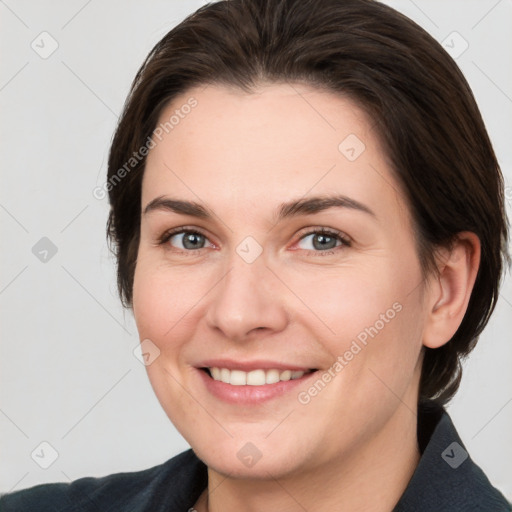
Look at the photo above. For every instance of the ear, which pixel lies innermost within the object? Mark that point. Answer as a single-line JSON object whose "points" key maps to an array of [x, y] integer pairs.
{"points": [[449, 293]]}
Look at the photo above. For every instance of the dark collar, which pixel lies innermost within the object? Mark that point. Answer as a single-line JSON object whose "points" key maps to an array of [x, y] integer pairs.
{"points": [[446, 478]]}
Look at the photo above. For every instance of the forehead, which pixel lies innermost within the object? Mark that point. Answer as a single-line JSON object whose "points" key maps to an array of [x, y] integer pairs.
{"points": [[238, 150]]}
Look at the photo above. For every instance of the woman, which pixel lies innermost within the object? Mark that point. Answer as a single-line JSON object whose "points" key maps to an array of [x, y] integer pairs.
{"points": [[308, 220]]}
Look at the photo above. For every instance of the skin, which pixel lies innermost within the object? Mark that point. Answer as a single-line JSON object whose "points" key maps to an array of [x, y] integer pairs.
{"points": [[353, 446]]}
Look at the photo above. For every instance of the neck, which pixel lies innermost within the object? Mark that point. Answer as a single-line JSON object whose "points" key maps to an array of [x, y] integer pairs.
{"points": [[371, 480]]}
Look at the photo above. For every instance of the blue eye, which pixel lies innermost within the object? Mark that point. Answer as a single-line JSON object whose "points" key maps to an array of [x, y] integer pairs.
{"points": [[324, 240], [191, 240]]}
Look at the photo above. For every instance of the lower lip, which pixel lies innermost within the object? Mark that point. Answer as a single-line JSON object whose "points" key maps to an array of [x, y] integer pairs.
{"points": [[251, 395]]}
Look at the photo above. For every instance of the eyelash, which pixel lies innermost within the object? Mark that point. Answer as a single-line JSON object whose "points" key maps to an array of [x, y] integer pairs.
{"points": [[345, 241]]}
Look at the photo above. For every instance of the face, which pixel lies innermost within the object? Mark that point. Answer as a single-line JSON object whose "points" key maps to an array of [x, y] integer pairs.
{"points": [[246, 284]]}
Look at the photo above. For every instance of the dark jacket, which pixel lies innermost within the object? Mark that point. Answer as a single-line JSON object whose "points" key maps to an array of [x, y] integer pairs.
{"points": [[446, 480]]}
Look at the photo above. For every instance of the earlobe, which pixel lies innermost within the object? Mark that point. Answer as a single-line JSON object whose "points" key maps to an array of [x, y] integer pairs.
{"points": [[449, 292]]}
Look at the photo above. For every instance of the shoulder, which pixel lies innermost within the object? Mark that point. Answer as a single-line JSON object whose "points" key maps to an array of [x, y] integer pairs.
{"points": [[155, 489], [447, 479]]}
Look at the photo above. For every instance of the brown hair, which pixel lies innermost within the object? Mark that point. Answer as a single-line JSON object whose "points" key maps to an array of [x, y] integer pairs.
{"points": [[424, 111]]}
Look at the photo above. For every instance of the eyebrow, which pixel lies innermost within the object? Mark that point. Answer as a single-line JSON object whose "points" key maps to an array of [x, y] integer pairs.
{"points": [[295, 208]]}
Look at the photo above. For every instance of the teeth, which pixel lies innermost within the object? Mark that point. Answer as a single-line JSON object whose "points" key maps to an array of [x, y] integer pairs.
{"points": [[238, 378], [254, 377]]}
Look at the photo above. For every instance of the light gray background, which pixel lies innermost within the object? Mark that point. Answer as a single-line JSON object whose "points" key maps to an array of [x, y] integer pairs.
{"points": [[68, 373]]}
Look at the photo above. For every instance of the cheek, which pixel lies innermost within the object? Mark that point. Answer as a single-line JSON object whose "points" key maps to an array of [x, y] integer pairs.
{"points": [[164, 299], [343, 302], [163, 306], [371, 316]]}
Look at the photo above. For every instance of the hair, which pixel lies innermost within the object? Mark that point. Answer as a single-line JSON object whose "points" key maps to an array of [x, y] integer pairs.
{"points": [[423, 109]]}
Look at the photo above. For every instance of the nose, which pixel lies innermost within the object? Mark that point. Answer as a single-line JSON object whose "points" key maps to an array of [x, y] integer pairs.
{"points": [[249, 298]]}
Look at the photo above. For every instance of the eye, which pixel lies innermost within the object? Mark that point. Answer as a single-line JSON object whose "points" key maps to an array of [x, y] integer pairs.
{"points": [[184, 239], [324, 240], [320, 240]]}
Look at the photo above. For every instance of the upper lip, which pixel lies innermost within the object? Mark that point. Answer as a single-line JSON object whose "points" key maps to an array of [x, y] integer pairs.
{"points": [[247, 366]]}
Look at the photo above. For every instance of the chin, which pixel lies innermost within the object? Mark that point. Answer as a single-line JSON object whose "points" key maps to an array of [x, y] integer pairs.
{"points": [[249, 460], [262, 470]]}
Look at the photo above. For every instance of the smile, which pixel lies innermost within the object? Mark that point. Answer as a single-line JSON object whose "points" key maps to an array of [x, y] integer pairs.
{"points": [[258, 377], [253, 387]]}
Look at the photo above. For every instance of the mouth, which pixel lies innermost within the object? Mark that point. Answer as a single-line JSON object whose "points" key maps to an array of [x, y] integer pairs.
{"points": [[252, 382], [256, 377]]}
